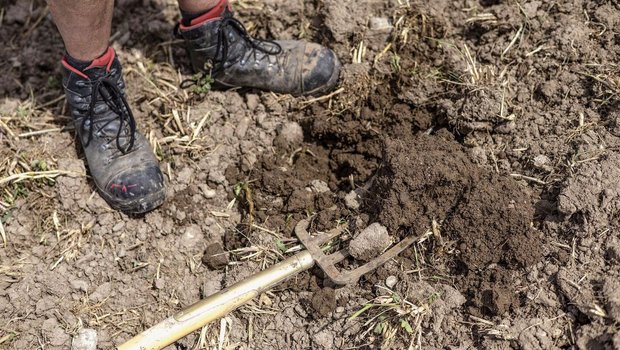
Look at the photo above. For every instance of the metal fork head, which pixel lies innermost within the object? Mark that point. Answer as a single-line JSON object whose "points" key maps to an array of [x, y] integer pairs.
{"points": [[327, 262]]}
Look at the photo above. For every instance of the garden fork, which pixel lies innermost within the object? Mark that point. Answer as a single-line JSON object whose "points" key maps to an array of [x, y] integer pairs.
{"points": [[223, 302]]}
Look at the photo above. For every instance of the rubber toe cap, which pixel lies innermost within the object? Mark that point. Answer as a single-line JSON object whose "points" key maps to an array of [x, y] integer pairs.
{"points": [[321, 70], [136, 191]]}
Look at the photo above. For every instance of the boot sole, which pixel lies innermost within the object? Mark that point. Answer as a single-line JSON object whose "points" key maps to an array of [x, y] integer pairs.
{"points": [[138, 206], [327, 87]]}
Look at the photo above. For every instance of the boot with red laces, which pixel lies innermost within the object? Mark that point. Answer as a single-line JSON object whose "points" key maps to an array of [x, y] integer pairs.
{"points": [[220, 46], [119, 157]]}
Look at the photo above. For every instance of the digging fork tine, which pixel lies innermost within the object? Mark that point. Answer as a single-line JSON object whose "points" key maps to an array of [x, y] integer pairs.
{"points": [[322, 238], [327, 261]]}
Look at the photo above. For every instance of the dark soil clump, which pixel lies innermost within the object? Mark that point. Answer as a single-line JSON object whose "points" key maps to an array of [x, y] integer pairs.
{"points": [[324, 301], [422, 179], [493, 223], [430, 178]]}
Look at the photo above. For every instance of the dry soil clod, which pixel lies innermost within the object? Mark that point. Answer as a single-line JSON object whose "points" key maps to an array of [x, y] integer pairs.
{"points": [[371, 242], [215, 257], [86, 339]]}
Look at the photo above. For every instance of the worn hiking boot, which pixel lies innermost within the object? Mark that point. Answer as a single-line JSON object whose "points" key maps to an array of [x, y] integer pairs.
{"points": [[119, 157], [219, 45]]}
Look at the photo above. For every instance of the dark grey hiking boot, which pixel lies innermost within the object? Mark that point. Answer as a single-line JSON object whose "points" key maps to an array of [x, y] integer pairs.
{"points": [[120, 159], [219, 45]]}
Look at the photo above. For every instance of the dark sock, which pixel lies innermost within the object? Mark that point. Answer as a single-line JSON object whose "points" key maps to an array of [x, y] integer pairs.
{"points": [[189, 17], [77, 64], [101, 61]]}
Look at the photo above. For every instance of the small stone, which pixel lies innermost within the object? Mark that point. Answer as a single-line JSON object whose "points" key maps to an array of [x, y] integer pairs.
{"points": [[217, 176], [479, 155], [319, 186], [242, 127], [252, 101], [380, 24], [207, 191], [192, 236], [86, 339], [291, 132], [118, 226], [391, 281], [79, 285], [185, 176], [506, 128], [102, 292], [352, 200], [215, 257], [300, 311], [371, 242], [542, 162], [339, 309], [265, 300], [159, 283]]}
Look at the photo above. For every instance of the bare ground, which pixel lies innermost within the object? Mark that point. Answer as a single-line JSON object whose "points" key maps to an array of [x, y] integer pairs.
{"points": [[488, 128]]}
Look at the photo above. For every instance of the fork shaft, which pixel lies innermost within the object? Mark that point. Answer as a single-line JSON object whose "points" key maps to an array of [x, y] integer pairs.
{"points": [[217, 305]]}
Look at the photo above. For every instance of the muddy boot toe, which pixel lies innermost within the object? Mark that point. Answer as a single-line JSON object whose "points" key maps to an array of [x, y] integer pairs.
{"points": [[320, 71]]}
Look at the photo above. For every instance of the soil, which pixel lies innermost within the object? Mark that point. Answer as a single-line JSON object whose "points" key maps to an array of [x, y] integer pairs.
{"points": [[488, 129]]}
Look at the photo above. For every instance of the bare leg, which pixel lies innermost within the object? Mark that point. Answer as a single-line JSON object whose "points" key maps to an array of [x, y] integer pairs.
{"points": [[197, 6], [84, 25]]}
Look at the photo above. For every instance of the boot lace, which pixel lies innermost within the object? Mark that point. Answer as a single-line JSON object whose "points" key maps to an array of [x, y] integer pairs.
{"points": [[107, 89], [221, 61], [267, 47]]}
